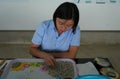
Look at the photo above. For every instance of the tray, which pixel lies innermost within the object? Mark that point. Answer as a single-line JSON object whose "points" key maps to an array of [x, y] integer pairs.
{"points": [[31, 69]]}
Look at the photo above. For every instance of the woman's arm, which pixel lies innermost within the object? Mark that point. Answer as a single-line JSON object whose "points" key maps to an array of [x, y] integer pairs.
{"points": [[34, 51]]}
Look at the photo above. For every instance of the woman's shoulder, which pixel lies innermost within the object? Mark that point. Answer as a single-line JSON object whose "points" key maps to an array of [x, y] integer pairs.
{"points": [[78, 28], [47, 22]]}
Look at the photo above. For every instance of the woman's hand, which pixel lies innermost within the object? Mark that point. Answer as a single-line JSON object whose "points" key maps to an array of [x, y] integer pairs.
{"points": [[49, 59]]}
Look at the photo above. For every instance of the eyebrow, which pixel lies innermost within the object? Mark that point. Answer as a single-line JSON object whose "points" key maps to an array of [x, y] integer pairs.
{"points": [[59, 20]]}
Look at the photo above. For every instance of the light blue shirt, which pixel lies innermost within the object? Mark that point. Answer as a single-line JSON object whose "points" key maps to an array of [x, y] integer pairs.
{"points": [[47, 37]]}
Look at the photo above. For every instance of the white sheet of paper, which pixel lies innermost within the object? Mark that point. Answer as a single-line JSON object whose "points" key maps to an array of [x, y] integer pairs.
{"points": [[87, 68]]}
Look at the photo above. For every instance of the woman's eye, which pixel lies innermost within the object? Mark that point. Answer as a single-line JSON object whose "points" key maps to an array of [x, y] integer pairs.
{"points": [[60, 23], [68, 26]]}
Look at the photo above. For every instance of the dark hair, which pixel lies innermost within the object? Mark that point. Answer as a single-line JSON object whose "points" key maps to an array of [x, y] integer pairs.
{"points": [[67, 10]]}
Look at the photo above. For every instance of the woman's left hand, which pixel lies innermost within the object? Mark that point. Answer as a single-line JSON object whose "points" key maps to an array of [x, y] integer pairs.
{"points": [[49, 59]]}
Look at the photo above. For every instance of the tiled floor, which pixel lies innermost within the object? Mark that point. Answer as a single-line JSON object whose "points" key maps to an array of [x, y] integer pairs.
{"points": [[112, 52]]}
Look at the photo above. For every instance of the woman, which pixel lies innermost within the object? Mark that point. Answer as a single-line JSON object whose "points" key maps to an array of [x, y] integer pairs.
{"points": [[57, 38]]}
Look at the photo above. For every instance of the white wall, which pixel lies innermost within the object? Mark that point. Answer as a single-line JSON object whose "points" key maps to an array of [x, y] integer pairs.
{"points": [[27, 14]]}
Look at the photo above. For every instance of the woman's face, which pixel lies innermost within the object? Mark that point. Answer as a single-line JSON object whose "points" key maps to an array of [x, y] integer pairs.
{"points": [[63, 25]]}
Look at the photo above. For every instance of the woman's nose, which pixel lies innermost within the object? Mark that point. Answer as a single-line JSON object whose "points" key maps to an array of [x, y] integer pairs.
{"points": [[63, 28]]}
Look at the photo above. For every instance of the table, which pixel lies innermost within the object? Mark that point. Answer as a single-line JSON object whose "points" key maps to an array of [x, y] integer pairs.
{"points": [[78, 61]]}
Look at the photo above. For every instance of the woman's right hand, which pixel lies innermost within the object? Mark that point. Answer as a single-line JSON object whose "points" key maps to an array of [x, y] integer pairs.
{"points": [[49, 59]]}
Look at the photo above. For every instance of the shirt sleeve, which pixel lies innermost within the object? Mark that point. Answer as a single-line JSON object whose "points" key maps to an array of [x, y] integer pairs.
{"points": [[76, 38], [38, 35]]}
